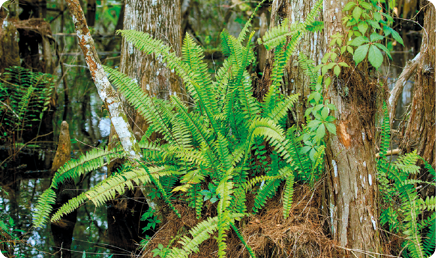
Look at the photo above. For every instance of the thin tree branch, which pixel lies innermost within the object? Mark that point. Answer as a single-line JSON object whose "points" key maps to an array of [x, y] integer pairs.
{"points": [[105, 90], [408, 70]]}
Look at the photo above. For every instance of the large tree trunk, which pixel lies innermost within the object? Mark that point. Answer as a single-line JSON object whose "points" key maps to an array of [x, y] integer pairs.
{"points": [[351, 168], [420, 131], [162, 20], [351, 164], [311, 44]]}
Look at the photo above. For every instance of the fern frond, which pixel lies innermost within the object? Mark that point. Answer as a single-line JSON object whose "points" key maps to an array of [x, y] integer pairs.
{"points": [[193, 57], [250, 251], [44, 207], [429, 167], [221, 147], [316, 26], [108, 188], [250, 107], [281, 109], [92, 160], [430, 241], [161, 189], [287, 195], [147, 44], [309, 69], [389, 216], [252, 182], [406, 163], [196, 124], [239, 199], [283, 53], [243, 33], [279, 34], [200, 233], [144, 104], [266, 191], [382, 165], [198, 204]]}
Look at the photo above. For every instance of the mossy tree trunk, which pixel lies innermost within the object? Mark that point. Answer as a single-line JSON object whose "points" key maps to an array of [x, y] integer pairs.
{"points": [[351, 164], [351, 200]]}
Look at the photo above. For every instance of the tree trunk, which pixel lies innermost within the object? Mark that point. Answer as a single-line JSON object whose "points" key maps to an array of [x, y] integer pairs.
{"points": [[351, 179], [162, 20], [420, 131], [104, 88], [311, 44], [351, 164]]}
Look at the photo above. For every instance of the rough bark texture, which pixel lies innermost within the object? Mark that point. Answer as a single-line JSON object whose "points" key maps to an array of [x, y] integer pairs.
{"points": [[351, 164], [352, 198], [105, 90], [420, 131], [162, 20], [311, 44], [408, 71]]}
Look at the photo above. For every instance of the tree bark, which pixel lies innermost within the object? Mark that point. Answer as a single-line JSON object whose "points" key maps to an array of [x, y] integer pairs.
{"points": [[419, 133], [62, 230], [311, 44], [105, 90], [350, 155], [162, 20]]}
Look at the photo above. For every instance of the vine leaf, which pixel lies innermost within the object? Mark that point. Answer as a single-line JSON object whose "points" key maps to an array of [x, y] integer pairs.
{"points": [[360, 53]]}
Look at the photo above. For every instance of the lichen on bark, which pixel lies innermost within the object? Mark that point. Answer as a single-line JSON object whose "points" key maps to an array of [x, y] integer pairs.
{"points": [[105, 90]]}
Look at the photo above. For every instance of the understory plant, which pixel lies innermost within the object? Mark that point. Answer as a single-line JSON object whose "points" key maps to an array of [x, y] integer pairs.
{"points": [[24, 96], [404, 210], [210, 145]]}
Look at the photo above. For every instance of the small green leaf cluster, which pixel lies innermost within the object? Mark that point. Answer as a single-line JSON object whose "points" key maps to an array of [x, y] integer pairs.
{"points": [[160, 251], [151, 219], [210, 194], [366, 22], [318, 114]]}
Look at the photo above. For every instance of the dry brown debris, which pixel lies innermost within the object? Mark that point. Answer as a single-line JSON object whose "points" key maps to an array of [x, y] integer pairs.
{"points": [[268, 234]]}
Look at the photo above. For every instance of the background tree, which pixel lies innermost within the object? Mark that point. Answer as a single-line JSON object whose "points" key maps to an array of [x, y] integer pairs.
{"points": [[419, 131], [162, 20]]}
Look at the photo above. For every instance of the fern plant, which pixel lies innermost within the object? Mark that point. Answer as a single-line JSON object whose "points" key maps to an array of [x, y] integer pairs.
{"points": [[24, 96], [207, 141], [403, 205]]}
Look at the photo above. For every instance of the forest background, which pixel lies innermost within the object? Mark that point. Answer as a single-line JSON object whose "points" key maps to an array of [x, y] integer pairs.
{"points": [[323, 219]]}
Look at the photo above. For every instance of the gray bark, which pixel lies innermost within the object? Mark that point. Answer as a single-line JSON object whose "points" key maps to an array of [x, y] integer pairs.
{"points": [[351, 164], [162, 20], [105, 90]]}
